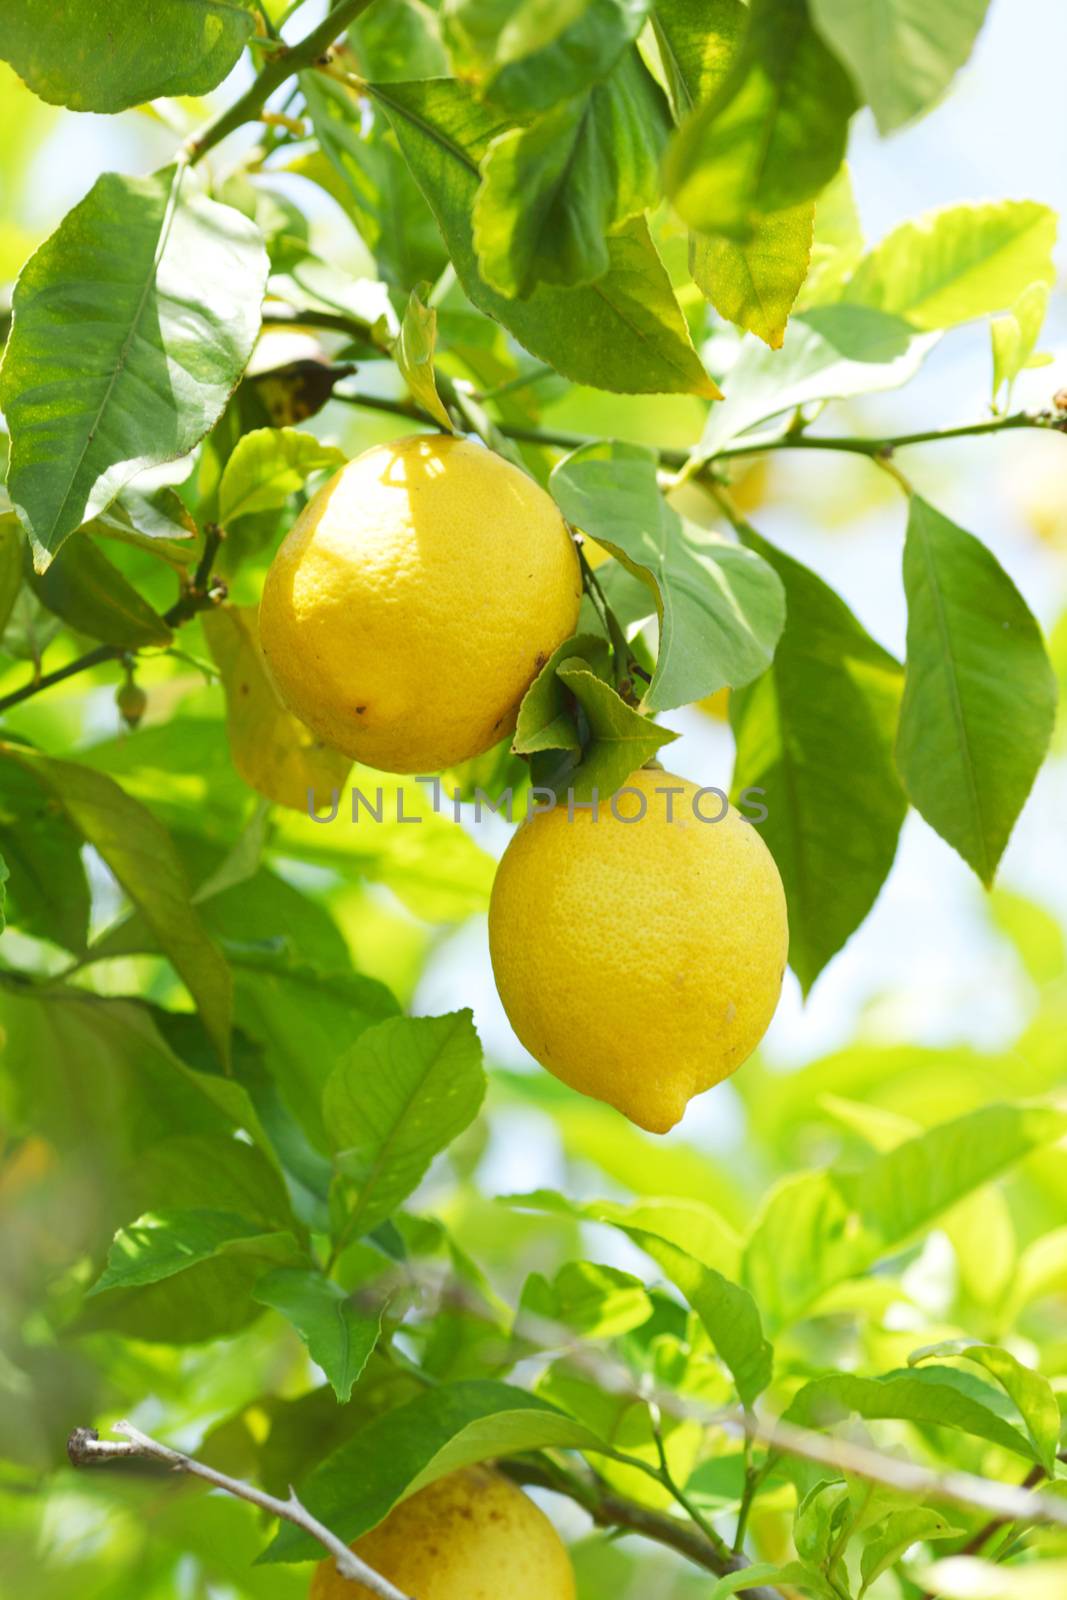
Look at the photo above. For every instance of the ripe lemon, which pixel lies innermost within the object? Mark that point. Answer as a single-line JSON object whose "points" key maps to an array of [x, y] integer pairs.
{"points": [[640, 960], [470, 1536], [415, 600]]}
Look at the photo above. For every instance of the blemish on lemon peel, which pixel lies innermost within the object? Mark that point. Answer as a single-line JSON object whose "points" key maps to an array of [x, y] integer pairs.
{"points": [[414, 593]]}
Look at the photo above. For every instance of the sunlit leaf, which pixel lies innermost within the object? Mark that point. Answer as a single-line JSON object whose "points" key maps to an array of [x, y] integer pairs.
{"points": [[162, 47], [903, 54], [267, 466], [1032, 1393], [414, 355], [132, 324]]}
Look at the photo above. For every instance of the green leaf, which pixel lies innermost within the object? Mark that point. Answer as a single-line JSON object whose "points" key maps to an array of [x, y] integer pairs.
{"points": [[141, 854], [405, 1090], [530, 54], [721, 608], [979, 691], [449, 1427], [625, 332], [362, 167], [958, 263], [69, 57], [596, 1301], [902, 1529], [620, 739], [698, 42], [546, 719], [414, 355], [820, 1228], [131, 326], [164, 1242], [903, 54], [274, 752], [1014, 337], [815, 733], [827, 1401], [553, 189], [830, 353], [4, 875], [772, 135], [690, 1225], [1032, 1393], [47, 890], [728, 1312], [267, 466], [10, 565], [338, 1333], [796, 1574], [754, 281], [90, 594], [399, 39]]}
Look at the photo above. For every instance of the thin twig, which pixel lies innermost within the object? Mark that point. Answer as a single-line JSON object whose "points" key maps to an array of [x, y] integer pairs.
{"points": [[85, 1448], [203, 592], [609, 1510], [282, 64]]}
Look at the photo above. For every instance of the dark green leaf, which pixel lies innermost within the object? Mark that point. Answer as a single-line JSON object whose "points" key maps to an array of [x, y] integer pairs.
{"points": [[47, 891], [90, 594], [141, 854], [338, 1333], [815, 733], [71, 56], [360, 164], [553, 189], [443, 1429], [131, 325], [772, 135], [625, 332], [979, 691], [10, 565], [721, 608], [406, 1088]]}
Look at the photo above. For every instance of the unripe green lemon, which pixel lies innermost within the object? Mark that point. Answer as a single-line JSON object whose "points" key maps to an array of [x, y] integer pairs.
{"points": [[470, 1536], [415, 600], [640, 960]]}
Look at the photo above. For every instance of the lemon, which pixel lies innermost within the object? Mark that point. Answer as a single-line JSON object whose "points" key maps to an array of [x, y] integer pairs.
{"points": [[639, 953], [415, 600], [470, 1536]]}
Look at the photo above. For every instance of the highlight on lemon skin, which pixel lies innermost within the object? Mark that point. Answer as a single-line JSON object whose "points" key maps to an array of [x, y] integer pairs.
{"points": [[473, 1535], [415, 600], [639, 960]]}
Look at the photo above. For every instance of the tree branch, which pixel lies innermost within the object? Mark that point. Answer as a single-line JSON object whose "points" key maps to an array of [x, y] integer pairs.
{"points": [[86, 1448], [609, 1510], [282, 64]]}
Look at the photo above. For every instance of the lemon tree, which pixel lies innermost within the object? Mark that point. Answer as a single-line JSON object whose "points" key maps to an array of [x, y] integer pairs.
{"points": [[531, 878]]}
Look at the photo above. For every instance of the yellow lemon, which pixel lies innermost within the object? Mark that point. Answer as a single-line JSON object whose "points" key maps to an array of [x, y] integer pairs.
{"points": [[639, 953], [415, 600], [470, 1536]]}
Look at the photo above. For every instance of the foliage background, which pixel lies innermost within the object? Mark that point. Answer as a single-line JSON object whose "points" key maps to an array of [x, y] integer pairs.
{"points": [[943, 1001]]}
